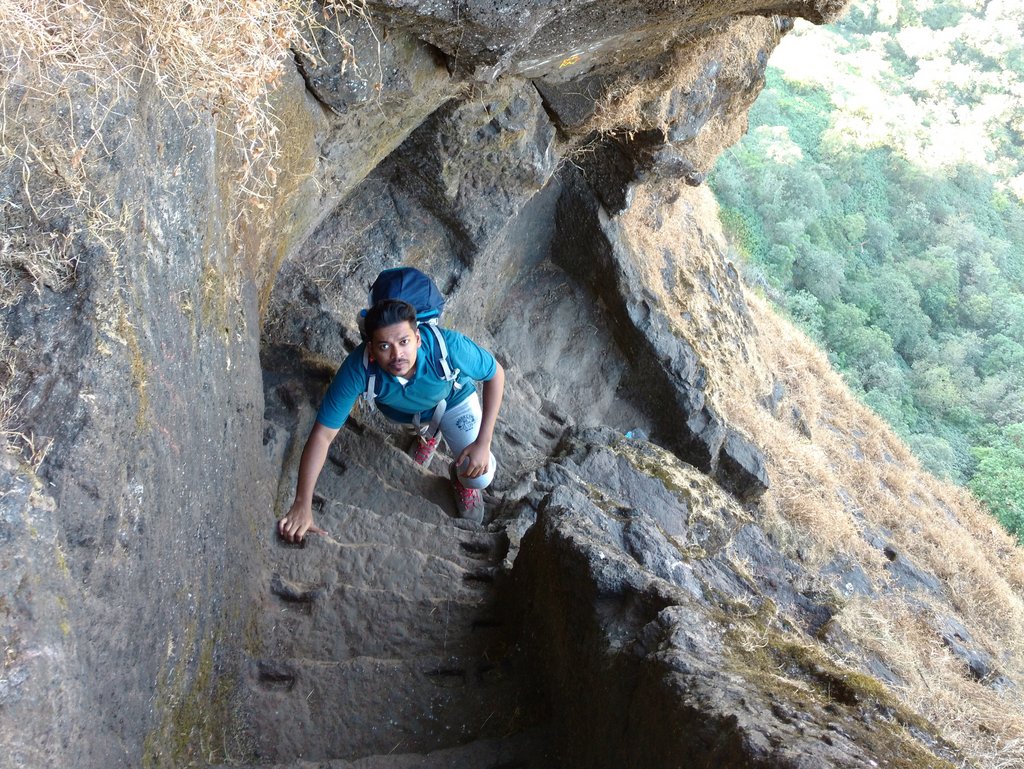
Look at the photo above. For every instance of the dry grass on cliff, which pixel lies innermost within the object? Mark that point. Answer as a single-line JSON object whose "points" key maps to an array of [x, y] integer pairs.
{"points": [[638, 102], [72, 77], [985, 724], [75, 76], [838, 472], [860, 476]]}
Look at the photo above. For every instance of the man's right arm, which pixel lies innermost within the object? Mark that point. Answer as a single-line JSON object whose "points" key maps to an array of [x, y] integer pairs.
{"points": [[299, 519]]}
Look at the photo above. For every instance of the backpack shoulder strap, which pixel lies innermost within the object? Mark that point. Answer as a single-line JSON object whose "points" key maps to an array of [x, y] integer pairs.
{"points": [[371, 380], [442, 347]]}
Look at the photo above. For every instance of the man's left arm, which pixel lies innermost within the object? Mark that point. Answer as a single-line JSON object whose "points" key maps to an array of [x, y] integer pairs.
{"points": [[479, 451]]}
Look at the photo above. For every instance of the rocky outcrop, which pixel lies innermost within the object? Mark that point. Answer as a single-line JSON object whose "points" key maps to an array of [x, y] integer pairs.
{"points": [[666, 369], [673, 633], [623, 605], [489, 39]]}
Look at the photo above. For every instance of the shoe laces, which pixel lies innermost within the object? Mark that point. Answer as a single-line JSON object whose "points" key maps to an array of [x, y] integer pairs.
{"points": [[425, 449], [468, 497]]}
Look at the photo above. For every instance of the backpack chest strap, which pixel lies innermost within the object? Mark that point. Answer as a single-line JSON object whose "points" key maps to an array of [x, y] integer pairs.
{"points": [[435, 420]]}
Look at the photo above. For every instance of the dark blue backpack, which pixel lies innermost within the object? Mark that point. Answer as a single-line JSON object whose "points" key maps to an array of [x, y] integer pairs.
{"points": [[412, 286]]}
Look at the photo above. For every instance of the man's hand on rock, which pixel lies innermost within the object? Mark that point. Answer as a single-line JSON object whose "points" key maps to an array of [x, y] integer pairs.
{"points": [[474, 459], [297, 522]]}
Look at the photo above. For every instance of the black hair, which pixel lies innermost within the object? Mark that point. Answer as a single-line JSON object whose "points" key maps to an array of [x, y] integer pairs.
{"points": [[387, 312]]}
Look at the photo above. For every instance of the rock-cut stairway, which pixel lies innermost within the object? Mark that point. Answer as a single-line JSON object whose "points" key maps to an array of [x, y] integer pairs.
{"points": [[384, 644]]}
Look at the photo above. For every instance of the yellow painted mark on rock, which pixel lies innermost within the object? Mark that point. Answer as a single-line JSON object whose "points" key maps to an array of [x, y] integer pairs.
{"points": [[570, 61]]}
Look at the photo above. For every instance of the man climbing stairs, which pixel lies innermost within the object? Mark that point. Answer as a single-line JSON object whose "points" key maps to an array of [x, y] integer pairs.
{"points": [[384, 644]]}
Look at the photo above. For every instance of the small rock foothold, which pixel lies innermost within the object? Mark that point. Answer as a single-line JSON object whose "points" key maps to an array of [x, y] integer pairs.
{"points": [[741, 468]]}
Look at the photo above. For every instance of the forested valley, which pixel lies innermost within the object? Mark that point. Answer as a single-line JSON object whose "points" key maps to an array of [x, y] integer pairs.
{"points": [[877, 199]]}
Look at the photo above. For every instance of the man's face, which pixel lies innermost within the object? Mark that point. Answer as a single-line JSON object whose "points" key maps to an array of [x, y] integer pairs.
{"points": [[394, 348]]}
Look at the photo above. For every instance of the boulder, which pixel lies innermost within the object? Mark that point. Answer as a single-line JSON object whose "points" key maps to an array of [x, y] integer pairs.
{"points": [[486, 39], [650, 658]]}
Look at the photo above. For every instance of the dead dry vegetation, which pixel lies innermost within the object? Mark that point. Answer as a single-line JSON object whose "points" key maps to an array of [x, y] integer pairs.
{"points": [[73, 75], [73, 72], [712, 58], [837, 471]]}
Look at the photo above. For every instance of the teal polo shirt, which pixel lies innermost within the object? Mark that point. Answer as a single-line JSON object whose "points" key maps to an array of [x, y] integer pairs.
{"points": [[423, 391]]}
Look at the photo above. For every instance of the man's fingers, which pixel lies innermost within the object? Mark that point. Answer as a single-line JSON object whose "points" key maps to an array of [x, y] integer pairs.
{"points": [[291, 530], [294, 530], [471, 470]]}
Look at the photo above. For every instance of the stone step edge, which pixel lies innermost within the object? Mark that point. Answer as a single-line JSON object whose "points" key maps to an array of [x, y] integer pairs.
{"points": [[510, 752]]}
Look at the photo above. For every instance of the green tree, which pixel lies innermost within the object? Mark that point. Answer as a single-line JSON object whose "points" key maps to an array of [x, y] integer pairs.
{"points": [[999, 400], [1002, 354], [818, 271], [806, 310], [937, 279], [975, 308], [999, 478], [943, 15], [899, 312], [936, 454], [890, 409], [855, 227], [935, 389], [1008, 308], [880, 237], [856, 345]]}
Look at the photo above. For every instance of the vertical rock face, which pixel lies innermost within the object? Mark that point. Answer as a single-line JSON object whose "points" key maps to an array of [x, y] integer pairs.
{"points": [[40, 660], [145, 377]]}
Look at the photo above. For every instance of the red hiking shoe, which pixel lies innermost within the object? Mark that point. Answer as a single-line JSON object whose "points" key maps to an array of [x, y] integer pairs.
{"points": [[423, 449], [469, 502]]}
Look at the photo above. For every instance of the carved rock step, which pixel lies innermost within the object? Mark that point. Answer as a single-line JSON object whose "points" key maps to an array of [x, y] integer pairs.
{"points": [[348, 524], [527, 750], [325, 560], [381, 591], [434, 504], [367, 706], [353, 621], [369, 472], [405, 571]]}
